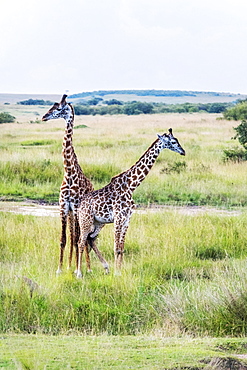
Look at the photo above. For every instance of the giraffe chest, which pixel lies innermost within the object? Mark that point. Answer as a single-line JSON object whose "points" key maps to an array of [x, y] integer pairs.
{"points": [[104, 215]]}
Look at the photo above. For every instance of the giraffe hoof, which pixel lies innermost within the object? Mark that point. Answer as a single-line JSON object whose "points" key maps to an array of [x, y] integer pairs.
{"points": [[79, 275], [59, 271]]}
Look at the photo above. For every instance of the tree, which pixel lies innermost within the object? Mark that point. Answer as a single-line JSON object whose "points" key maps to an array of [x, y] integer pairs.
{"points": [[136, 107], [94, 101], [238, 112], [238, 154], [242, 133], [6, 118], [113, 102]]}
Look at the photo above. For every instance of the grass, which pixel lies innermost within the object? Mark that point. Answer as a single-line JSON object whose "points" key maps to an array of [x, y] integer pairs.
{"points": [[189, 278], [108, 145], [184, 273], [104, 352]]}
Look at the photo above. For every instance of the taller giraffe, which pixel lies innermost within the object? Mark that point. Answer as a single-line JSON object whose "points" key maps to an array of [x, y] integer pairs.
{"points": [[74, 185], [114, 203]]}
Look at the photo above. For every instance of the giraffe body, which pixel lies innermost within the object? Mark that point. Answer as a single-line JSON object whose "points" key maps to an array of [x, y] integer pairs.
{"points": [[114, 204], [74, 185]]}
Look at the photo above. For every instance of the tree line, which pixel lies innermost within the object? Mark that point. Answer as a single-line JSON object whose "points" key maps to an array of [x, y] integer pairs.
{"points": [[92, 107]]}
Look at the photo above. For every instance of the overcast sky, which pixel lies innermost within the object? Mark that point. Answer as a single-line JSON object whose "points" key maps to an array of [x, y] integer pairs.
{"points": [[53, 46]]}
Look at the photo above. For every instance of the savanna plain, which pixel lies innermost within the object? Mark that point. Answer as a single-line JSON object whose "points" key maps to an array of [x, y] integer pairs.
{"points": [[181, 300]]}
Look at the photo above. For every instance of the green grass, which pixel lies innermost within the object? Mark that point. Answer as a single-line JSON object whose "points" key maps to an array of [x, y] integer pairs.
{"points": [[181, 274], [125, 352], [111, 144], [184, 273]]}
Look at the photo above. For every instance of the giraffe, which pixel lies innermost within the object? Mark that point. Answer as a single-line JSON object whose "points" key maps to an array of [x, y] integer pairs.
{"points": [[74, 185], [114, 204]]}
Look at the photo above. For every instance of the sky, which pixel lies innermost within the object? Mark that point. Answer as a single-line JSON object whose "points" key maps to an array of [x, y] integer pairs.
{"points": [[58, 46]]}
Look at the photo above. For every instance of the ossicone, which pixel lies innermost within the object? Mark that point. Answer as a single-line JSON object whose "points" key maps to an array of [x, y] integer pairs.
{"points": [[63, 100]]}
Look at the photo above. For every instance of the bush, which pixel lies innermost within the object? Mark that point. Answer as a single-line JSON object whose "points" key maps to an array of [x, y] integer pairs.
{"points": [[242, 133], [6, 118], [237, 154], [35, 102], [239, 112], [138, 108], [82, 110]]}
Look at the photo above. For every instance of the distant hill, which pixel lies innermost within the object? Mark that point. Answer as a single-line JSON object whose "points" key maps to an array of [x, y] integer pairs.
{"points": [[14, 98], [164, 96], [155, 96]]}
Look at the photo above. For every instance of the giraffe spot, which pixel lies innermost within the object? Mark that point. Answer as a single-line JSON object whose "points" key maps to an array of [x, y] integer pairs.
{"points": [[138, 171]]}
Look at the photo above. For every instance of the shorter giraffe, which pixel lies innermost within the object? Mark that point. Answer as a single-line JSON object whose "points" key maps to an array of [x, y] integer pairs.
{"points": [[114, 204], [74, 185]]}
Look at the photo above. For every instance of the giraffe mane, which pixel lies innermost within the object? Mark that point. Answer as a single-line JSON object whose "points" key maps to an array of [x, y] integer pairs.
{"points": [[121, 173]]}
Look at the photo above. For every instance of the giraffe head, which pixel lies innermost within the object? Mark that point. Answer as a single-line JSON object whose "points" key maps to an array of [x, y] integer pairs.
{"points": [[59, 110], [168, 141]]}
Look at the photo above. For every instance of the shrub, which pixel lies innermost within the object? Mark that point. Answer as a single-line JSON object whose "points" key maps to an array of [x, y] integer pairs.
{"points": [[242, 133], [35, 102], [138, 108], [6, 118], [238, 112], [238, 154]]}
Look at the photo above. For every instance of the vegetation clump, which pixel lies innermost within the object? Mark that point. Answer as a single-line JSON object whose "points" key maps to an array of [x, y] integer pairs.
{"points": [[237, 112], [35, 102], [113, 106], [6, 117], [238, 154]]}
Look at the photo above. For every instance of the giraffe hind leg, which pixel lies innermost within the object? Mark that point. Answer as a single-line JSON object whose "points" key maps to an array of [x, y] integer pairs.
{"points": [[91, 242]]}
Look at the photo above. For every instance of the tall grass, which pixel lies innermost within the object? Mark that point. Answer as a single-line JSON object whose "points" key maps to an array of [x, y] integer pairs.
{"points": [[111, 144], [182, 273]]}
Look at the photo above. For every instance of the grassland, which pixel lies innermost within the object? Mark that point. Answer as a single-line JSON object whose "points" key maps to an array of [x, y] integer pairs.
{"points": [[184, 273], [31, 165]]}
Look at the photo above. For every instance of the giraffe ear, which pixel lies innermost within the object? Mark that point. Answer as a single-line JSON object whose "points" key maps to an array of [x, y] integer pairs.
{"points": [[63, 100], [160, 137]]}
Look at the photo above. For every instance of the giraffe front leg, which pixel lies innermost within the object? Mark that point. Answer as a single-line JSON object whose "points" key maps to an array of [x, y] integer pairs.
{"points": [[121, 228], [62, 243], [77, 236], [120, 233], [81, 246], [72, 229]]}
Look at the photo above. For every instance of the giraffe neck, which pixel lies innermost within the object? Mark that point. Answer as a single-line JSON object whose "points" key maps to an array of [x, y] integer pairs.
{"points": [[68, 149], [132, 178]]}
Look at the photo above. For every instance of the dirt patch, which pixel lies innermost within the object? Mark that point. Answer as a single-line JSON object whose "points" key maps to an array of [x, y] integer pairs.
{"points": [[39, 209], [190, 210], [26, 208], [227, 363]]}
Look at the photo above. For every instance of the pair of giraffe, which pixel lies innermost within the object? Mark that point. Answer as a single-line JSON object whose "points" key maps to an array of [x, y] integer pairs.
{"points": [[89, 210]]}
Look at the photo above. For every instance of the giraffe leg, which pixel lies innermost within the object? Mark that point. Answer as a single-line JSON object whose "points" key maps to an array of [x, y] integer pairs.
{"points": [[88, 262], [85, 224], [81, 247], [62, 242], [91, 241], [77, 236], [93, 245], [72, 229], [121, 226]]}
